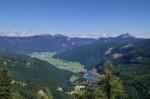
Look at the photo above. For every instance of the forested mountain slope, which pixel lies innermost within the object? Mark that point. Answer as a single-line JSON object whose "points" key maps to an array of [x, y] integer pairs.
{"points": [[92, 55], [137, 53], [31, 75], [132, 63]]}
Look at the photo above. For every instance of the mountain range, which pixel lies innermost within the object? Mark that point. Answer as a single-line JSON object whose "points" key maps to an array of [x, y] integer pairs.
{"points": [[56, 43]]}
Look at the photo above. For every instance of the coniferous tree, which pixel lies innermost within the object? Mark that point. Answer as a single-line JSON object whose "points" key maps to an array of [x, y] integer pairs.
{"points": [[5, 85], [112, 84], [108, 86]]}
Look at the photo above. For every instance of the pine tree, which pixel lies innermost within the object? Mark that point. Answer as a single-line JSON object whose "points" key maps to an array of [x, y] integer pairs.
{"points": [[5, 85], [112, 84], [107, 86]]}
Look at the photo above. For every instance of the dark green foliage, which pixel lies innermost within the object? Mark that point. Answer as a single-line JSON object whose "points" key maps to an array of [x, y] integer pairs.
{"points": [[133, 66], [106, 86], [91, 55], [136, 79], [137, 53], [5, 85], [90, 92], [30, 75], [112, 85]]}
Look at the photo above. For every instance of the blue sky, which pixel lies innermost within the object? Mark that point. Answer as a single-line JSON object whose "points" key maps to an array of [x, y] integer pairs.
{"points": [[91, 18]]}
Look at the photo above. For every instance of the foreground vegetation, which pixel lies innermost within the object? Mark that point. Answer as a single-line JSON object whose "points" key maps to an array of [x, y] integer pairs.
{"points": [[107, 85], [30, 77], [136, 80], [117, 82]]}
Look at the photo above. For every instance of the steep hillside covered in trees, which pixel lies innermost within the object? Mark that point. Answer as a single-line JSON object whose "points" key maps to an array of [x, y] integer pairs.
{"points": [[30, 75]]}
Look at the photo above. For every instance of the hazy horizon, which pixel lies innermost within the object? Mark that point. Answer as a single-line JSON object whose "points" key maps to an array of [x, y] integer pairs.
{"points": [[27, 34]]}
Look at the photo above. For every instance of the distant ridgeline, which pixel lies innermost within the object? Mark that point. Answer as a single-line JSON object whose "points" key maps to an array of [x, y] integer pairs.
{"points": [[56, 43]]}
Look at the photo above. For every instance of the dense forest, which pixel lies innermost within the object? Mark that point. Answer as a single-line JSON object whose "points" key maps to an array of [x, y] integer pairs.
{"points": [[30, 75]]}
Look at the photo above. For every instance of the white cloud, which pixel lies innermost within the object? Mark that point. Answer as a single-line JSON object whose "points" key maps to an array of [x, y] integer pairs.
{"points": [[15, 34]]}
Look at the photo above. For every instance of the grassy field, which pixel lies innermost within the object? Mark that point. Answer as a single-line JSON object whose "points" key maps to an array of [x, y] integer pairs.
{"points": [[74, 67]]}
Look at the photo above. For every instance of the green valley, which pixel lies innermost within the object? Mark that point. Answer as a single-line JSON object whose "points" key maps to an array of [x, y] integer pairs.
{"points": [[74, 67]]}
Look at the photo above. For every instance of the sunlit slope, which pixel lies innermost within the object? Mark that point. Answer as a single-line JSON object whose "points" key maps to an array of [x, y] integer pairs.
{"points": [[59, 63]]}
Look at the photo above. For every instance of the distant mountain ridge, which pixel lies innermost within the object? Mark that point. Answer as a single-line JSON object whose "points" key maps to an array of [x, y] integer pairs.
{"points": [[126, 35], [54, 43], [28, 34]]}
